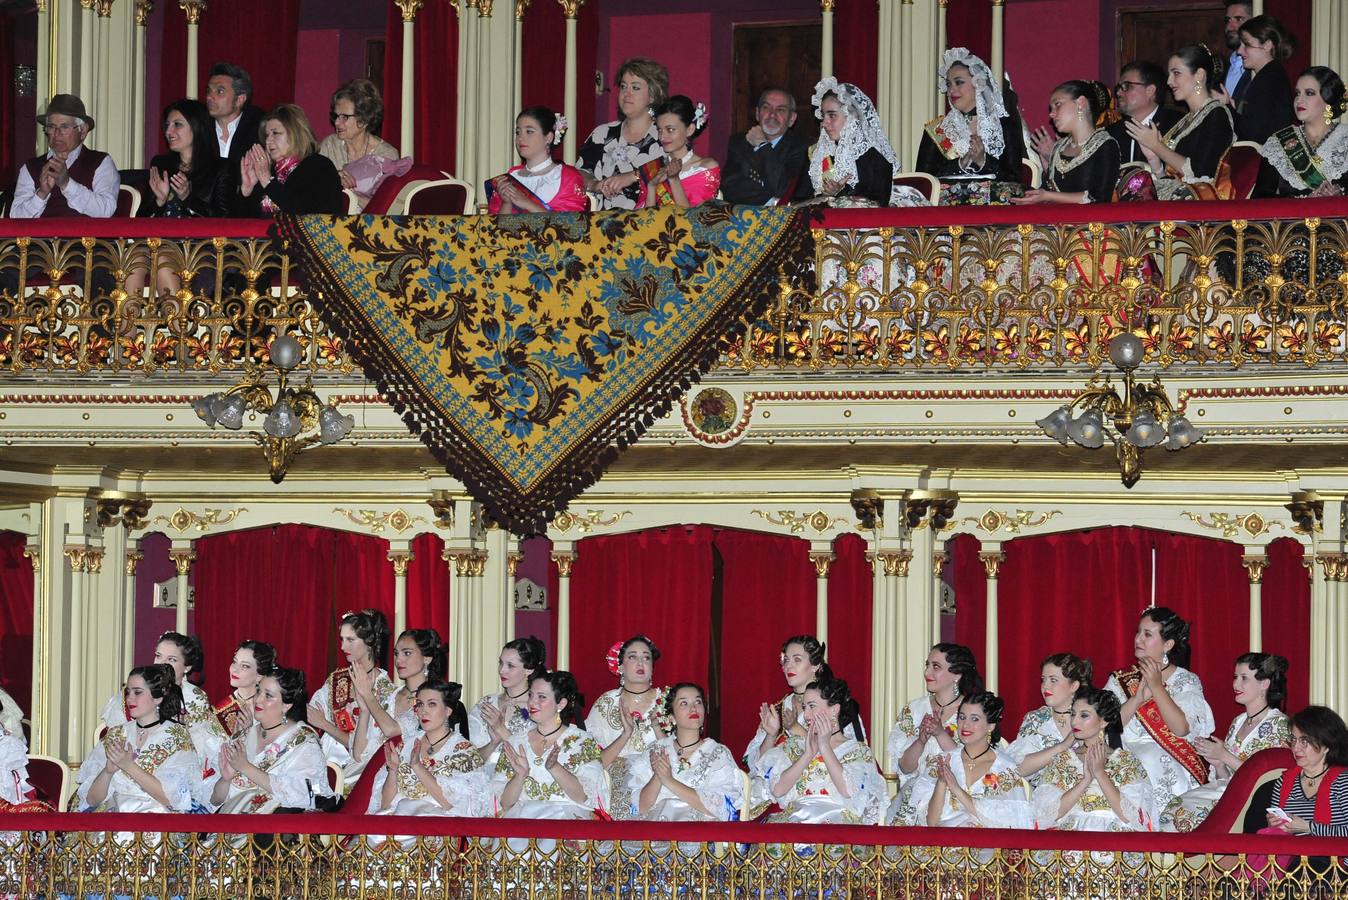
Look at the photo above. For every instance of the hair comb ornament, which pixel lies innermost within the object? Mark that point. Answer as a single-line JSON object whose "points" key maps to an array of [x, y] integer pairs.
{"points": [[614, 657], [700, 116], [559, 130]]}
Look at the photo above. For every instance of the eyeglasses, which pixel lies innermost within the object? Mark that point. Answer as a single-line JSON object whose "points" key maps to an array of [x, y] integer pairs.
{"points": [[1127, 86], [58, 129], [334, 117]]}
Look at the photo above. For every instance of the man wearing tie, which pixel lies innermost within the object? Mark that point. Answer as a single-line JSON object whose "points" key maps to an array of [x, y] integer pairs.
{"points": [[768, 164], [1139, 91]]}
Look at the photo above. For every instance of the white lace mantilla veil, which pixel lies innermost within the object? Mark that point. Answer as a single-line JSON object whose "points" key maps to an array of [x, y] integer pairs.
{"points": [[862, 132], [990, 109]]}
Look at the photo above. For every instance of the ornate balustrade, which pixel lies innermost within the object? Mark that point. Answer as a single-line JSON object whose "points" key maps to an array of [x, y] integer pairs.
{"points": [[1019, 289], [320, 856]]}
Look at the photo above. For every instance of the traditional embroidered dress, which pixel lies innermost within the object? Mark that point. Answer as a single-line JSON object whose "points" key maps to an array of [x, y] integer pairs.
{"points": [[1092, 811], [815, 798], [232, 716], [543, 797], [755, 750], [700, 184], [458, 772], [294, 763], [1202, 137], [606, 153], [1000, 796], [409, 726], [198, 715], [628, 773], [1038, 731], [1094, 170], [711, 771], [338, 702], [902, 736], [1301, 168], [516, 718], [1172, 763], [557, 187], [11, 716], [1187, 811], [166, 751]]}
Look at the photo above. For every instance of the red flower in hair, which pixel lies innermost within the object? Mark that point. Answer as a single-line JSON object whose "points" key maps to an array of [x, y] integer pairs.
{"points": [[614, 657]]}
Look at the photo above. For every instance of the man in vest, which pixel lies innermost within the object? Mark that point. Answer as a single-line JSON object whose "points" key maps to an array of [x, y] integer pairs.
{"points": [[71, 179]]}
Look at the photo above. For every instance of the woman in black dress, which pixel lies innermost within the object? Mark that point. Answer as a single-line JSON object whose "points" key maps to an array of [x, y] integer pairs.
{"points": [[1263, 98], [1310, 158], [1192, 149], [978, 136], [189, 180], [285, 172], [1084, 165], [854, 164]]}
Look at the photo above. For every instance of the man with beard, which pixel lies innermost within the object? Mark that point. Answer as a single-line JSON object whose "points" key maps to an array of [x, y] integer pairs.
{"points": [[1236, 14], [767, 165]]}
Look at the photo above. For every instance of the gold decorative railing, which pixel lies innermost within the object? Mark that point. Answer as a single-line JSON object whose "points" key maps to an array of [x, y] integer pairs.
{"points": [[192, 865], [1236, 284]]}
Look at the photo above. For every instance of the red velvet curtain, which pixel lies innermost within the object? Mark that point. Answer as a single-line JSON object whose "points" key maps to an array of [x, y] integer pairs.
{"points": [[655, 582], [287, 585], [968, 23], [428, 586], [851, 587], [856, 46], [970, 581], [1286, 611], [1296, 15], [436, 78], [768, 590], [544, 62], [16, 620]]}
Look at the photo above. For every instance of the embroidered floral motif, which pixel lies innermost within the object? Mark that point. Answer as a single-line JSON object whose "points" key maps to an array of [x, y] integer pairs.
{"points": [[174, 738]]}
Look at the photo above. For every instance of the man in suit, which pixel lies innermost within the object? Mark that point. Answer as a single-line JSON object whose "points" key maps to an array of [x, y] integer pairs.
{"points": [[228, 92], [1140, 90], [769, 164]]}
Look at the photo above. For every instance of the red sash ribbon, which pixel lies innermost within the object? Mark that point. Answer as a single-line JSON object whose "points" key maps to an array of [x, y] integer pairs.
{"points": [[493, 185], [1149, 714], [663, 195]]}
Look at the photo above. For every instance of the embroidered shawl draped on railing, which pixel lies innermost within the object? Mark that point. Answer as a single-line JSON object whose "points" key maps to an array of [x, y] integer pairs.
{"points": [[527, 351]]}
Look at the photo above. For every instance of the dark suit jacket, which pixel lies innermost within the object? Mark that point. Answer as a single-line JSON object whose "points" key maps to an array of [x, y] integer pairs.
{"points": [[245, 136], [1265, 106], [757, 176], [1129, 151]]}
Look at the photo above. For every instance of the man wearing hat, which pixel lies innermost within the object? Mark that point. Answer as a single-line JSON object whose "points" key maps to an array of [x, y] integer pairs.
{"points": [[71, 179]]}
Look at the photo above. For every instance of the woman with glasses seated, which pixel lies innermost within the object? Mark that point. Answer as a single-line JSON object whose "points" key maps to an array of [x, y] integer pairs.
{"points": [[356, 113]]}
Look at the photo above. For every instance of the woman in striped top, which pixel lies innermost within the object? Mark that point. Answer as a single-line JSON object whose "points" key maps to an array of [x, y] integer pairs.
{"points": [[1314, 793]]}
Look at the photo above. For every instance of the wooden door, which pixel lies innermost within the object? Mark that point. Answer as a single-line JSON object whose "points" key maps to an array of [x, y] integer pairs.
{"points": [[1154, 34], [777, 55]]}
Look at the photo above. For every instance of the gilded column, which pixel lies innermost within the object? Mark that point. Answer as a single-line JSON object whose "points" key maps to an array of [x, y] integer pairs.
{"points": [[400, 554], [822, 560], [1255, 564], [132, 561], [88, 83], [992, 562], [563, 554], [826, 35], [571, 9], [143, 10], [468, 566], [193, 9], [182, 555], [998, 61], [891, 568], [409, 10]]}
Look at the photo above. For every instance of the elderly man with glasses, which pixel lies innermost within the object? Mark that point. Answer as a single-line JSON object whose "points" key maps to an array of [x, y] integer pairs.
{"points": [[1140, 90], [70, 179]]}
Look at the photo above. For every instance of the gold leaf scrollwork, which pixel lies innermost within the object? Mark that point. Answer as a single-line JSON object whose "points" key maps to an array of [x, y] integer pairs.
{"points": [[993, 520], [183, 520], [401, 559], [818, 521], [467, 563], [589, 521], [398, 520], [1231, 525], [194, 9]]}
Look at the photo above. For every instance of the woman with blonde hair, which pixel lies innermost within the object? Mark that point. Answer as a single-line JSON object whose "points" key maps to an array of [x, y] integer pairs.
{"points": [[285, 173], [612, 156]]}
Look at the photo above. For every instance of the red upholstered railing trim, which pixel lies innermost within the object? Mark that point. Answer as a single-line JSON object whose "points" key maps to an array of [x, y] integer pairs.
{"points": [[734, 832], [1222, 818]]}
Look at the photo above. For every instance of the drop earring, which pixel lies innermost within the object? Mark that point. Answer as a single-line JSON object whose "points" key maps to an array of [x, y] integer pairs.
{"points": [[1329, 115], [1165, 660]]}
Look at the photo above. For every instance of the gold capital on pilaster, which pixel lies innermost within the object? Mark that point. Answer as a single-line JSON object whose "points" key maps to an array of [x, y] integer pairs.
{"points": [[998, 2], [826, 5], [133, 558], [409, 9], [194, 9], [1335, 566], [467, 563], [93, 560], [822, 561], [513, 563], [77, 556], [895, 562], [143, 10], [571, 8], [938, 561], [41, 6], [105, 9], [87, 4], [1255, 566], [484, 8], [182, 560], [992, 562], [34, 555], [401, 559], [564, 563], [521, 7]]}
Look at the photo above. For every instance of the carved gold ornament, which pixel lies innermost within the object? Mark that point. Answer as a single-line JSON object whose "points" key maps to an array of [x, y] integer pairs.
{"points": [[182, 560], [869, 507], [1307, 511], [128, 510], [408, 8], [1231, 525], [823, 561], [398, 520], [34, 555], [895, 562], [571, 8], [105, 9], [401, 559], [818, 521], [143, 10], [182, 520], [938, 561], [133, 558], [564, 563], [992, 562], [993, 520], [1254, 567], [193, 9], [467, 563], [586, 522], [1335, 566]]}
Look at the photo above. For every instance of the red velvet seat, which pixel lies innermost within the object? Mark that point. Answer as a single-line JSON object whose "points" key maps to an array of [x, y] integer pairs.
{"points": [[442, 197], [50, 778], [359, 799], [1243, 160], [1228, 816], [389, 189]]}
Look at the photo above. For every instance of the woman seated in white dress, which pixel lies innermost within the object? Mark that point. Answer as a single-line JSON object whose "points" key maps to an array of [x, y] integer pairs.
{"points": [[1260, 685], [1047, 731], [926, 725], [439, 772], [419, 657], [1164, 713], [497, 716], [275, 765], [694, 778], [827, 776], [977, 785], [342, 706], [1097, 785], [252, 660], [16, 794], [183, 653], [553, 770], [628, 722], [148, 764], [802, 662]]}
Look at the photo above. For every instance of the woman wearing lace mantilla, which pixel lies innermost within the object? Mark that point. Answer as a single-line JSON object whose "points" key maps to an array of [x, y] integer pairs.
{"points": [[1310, 158], [853, 164], [978, 136], [629, 721]]}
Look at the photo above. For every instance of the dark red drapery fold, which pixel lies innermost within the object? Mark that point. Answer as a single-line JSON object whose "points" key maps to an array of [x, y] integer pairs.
{"points": [[16, 620], [851, 586], [436, 76], [1078, 592], [768, 595], [428, 586], [1286, 608], [968, 23], [364, 576], [9, 100], [970, 581], [1296, 15], [856, 45], [655, 582], [544, 61]]}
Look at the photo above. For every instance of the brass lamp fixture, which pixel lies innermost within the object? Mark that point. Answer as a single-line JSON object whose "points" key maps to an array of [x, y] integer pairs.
{"points": [[1142, 417], [296, 421]]}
